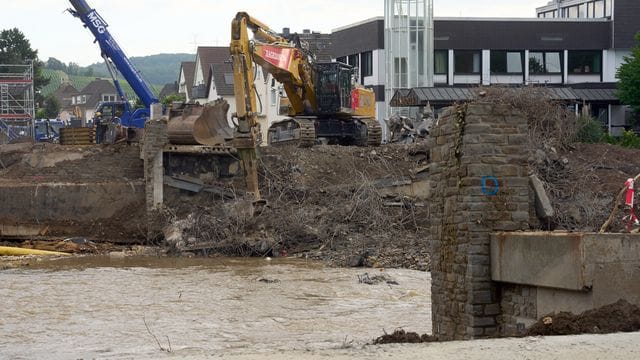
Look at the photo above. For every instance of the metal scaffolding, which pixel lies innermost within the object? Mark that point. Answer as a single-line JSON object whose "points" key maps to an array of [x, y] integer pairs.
{"points": [[408, 45], [17, 105]]}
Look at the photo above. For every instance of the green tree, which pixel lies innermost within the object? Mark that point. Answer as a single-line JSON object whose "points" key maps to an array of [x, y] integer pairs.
{"points": [[73, 69], [55, 64], [629, 75], [15, 48], [52, 107], [168, 100]]}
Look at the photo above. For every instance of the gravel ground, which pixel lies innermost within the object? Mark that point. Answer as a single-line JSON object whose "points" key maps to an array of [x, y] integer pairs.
{"points": [[583, 347]]}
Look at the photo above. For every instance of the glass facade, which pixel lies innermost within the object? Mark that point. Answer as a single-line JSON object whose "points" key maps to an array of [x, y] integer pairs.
{"points": [[593, 9], [408, 45]]}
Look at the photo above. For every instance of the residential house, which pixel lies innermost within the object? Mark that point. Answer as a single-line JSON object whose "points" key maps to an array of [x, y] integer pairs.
{"points": [[213, 79], [185, 80], [64, 94], [88, 98], [168, 90], [206, 56]]}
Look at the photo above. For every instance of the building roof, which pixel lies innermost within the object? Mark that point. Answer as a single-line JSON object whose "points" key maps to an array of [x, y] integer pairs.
{"points": [[449, 95], [223, 77], [168, 89], [188, 68], [597, 95], [212, 55], [358, 38], [64, 93], [435, 96], [95, 89]]}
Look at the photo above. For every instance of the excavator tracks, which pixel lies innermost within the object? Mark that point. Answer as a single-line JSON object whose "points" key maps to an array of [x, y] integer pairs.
{"points": [[296, 132], [374, 132]]}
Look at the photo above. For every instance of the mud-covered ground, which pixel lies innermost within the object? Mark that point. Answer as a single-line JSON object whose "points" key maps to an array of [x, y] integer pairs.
{"points": [[332, 203]]}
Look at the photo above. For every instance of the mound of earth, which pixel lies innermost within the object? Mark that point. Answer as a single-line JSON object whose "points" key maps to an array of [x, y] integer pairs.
{"points": [[618, 317], [402, 337]]}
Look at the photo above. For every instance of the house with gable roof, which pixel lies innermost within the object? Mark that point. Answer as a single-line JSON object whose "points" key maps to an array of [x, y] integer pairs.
{"points": [[88, 98], [185, 79]]}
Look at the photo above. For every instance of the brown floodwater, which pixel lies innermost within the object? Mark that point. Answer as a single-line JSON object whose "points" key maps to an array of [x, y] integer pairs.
{"points": [[97, 307]]}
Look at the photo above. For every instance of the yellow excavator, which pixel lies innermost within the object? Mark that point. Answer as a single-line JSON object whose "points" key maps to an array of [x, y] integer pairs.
{"points": [[324, 104]]}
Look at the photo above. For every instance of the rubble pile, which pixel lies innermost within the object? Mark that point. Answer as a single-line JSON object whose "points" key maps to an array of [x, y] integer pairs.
{"points": [[328, 203], [581, 180]]}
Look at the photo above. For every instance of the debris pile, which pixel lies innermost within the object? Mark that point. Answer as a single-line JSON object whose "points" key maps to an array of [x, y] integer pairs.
{"points": [[618, 317], [403, 337], [329, 202], [581, 180]]}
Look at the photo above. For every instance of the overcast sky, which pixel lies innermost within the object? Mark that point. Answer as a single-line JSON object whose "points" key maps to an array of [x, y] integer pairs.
{"points": [[171, 26]]}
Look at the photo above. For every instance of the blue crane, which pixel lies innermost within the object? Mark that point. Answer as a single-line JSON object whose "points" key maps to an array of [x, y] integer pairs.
{"points": [[114, 56]]}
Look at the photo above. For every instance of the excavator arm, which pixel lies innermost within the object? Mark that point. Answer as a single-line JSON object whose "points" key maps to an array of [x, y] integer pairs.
{"points": [[287, 63], [276, 56]]}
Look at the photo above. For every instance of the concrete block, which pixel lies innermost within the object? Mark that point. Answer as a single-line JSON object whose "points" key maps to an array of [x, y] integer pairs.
{"points": [[544, 209], [541, 259]]}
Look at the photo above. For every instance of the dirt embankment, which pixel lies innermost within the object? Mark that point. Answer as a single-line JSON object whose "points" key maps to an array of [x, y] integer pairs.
{"points": [[43, 162]]}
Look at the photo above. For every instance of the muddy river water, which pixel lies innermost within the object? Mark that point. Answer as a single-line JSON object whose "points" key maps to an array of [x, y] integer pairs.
{"points": [[95, 307]]}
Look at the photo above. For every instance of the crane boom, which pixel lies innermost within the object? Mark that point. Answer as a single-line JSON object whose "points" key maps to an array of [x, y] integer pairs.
{"points": [[112, 52]]}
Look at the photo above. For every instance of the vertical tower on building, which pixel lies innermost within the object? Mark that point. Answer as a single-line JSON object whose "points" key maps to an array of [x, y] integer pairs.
{"points": [[408, 45]]}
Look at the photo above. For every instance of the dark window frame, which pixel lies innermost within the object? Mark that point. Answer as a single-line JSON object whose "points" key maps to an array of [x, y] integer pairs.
{"points": [[446, 63], [572, 65], [544, 62], [506, 61], [457, 53], [366, 62]]}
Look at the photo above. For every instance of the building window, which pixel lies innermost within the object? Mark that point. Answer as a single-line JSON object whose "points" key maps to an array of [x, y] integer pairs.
{"points": [[545, 62], [608, 8], [228, 78], [572, 12], [441, 62], [400, 79], [342, 59], [107, 98], [353, 60], [582, 10], [585, 62], [274, 96], [467, 62], [367, 64], [598, 9], [506, 62]]}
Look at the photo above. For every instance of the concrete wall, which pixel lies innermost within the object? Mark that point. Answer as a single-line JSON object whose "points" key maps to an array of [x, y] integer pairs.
{"points": [[545, 273], [68, 209], [472, 148]]}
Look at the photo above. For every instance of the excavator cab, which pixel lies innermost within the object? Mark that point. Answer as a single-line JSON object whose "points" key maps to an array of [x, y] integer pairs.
{"points": [[333, 88]]}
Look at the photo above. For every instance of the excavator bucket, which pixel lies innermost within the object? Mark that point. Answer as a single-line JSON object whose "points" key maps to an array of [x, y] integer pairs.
{"points": [[201, 125]]}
